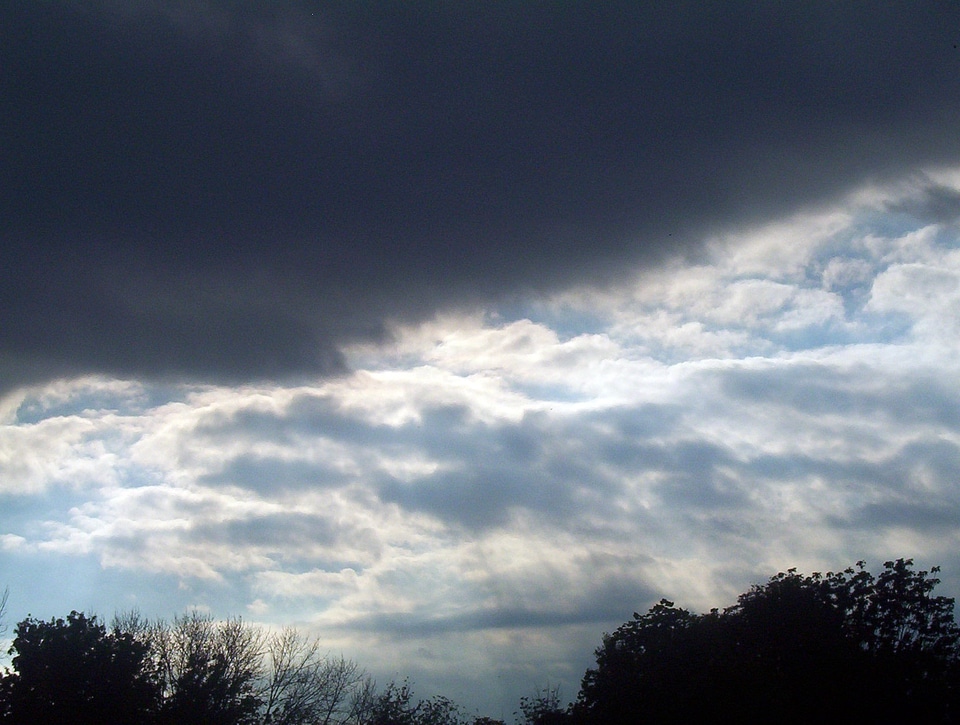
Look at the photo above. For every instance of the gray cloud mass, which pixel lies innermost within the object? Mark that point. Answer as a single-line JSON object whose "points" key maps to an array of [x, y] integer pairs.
{"points": [[223, 191]]}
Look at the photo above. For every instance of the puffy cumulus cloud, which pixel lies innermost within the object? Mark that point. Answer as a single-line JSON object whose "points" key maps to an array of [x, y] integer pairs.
{"points": [[926, 292], [49, 452], [833, 275], [68, 435], [491, 490], [154, 529], [12, 542]]}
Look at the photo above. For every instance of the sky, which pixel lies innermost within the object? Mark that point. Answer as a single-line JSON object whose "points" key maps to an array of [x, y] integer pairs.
{"points": [[458, 332]]}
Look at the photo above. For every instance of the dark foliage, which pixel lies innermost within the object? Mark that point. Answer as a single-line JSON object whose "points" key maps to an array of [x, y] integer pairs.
{"points": [[75, 672], [396, 706], [195, 670], [844, 646], [543, 708]]}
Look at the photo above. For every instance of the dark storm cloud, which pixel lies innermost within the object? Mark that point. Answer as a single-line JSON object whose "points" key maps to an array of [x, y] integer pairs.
{"points": [[935, 203], [230, 191]]}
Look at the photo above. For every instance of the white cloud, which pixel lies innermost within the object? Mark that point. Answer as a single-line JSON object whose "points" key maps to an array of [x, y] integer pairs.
{"points": [[927, 294], [72, 452], [11, 542]]}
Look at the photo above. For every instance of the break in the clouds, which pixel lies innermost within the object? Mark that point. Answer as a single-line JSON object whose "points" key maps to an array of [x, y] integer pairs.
{"points": [[224, 192], [491, 489]]}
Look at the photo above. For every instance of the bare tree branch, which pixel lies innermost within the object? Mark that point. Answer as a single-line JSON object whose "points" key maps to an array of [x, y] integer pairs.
{"points": [[3, 610], [305, 686]]}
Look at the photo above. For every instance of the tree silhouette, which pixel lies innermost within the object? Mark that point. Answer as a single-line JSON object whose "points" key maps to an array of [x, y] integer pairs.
{"points": [[396, 706], [844, 646], [543, 708], [210, 670], [75, 671], [3, 610], [304, 686]]}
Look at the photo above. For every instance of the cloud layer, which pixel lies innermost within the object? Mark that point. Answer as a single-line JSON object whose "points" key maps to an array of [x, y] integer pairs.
{"points": [[215, 192]]}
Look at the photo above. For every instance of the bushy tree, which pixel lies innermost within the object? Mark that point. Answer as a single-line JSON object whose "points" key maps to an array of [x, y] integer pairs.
{"points": [[846, 645], [74, 671], [641, 667]]}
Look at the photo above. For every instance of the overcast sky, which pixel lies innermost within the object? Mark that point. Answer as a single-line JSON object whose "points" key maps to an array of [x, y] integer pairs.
{"points": [[460, 332]]}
